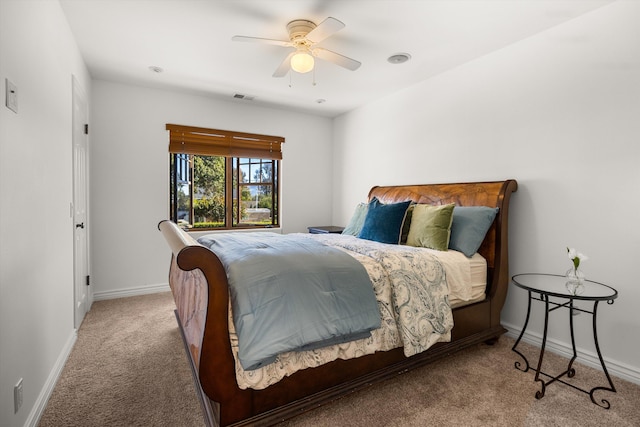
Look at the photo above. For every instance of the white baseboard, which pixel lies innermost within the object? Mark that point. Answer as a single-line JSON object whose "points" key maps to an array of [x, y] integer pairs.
{"points": [[130, 292], [615, 368], [41, 402]]}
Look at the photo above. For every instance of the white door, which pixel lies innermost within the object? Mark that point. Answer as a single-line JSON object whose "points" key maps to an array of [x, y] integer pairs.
{"points": [[80, 246]]}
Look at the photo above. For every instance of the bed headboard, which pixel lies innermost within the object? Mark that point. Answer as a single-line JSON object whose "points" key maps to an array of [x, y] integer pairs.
{"points": [[494, 248]]}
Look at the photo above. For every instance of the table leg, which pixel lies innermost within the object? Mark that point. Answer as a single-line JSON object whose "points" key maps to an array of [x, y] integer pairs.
{"points": [[524, 328], [570, 371], [540, 393], [603, 402]]}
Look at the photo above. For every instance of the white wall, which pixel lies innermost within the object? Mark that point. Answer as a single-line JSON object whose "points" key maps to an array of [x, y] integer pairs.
{"points": [[560, 113], [38, 54], [130, 183]]}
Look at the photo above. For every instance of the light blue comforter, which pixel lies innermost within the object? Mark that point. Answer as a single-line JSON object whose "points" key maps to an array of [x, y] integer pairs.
{"points": [[292, 293]]}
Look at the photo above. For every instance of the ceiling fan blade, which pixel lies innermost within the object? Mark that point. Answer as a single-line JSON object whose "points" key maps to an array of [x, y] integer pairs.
{"points": [[261, 40], [284, 67], [336, 58], [326, 28]]}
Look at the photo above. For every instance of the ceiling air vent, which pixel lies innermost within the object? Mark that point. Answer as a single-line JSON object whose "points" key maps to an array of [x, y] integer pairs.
{"points": [[245, 97]]}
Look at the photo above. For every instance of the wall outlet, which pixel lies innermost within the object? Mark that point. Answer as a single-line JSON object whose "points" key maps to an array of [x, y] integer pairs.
{"points": [[11, 100], [17, 396]]}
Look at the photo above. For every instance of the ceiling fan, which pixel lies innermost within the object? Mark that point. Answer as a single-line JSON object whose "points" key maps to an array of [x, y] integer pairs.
{"points": [[304, 35]]}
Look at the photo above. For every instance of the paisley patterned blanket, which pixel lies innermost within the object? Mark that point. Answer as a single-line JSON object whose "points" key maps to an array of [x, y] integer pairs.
{"points": [[412, 295]]}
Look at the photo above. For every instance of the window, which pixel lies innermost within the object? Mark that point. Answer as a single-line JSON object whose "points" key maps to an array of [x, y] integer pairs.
{"points": [[223, 180]]}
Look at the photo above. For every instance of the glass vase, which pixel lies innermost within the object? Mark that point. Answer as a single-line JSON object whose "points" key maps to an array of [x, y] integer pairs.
{"points": [[575, 281]]}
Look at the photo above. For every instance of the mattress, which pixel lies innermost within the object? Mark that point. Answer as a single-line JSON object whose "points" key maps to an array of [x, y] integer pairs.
{"points": [[466, 277], [477, 283]]}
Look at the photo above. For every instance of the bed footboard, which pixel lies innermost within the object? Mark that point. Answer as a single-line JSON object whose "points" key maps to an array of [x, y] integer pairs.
{"points": [[199, 285]]}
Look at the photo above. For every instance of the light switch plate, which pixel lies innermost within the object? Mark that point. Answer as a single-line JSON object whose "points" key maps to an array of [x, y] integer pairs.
{"points": [[12, 96], [17, 396]]}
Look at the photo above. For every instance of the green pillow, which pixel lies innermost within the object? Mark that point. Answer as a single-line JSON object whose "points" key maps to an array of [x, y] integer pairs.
{"points": [[357, 220], [431, 226]]}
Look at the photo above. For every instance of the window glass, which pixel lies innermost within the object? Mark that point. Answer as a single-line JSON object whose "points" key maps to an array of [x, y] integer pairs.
{"points": [[198, 191]]}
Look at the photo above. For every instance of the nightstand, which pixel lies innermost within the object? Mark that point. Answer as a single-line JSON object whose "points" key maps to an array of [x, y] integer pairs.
{"points": [[543, 287], [324, 229]]}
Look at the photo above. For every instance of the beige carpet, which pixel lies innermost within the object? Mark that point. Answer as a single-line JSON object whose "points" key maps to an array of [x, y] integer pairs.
{"points": [[129, 368]]}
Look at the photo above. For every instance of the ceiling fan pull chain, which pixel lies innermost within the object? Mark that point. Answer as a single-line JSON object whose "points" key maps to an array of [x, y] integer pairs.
{"points": [[314, 76]]}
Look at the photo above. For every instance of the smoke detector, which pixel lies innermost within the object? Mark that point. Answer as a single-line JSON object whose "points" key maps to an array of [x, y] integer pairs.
{"points": [[399, 58]]}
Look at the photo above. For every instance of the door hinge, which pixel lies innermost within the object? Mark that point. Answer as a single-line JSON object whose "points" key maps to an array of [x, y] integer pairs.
{"points": [[86, 129], [88, 281]]}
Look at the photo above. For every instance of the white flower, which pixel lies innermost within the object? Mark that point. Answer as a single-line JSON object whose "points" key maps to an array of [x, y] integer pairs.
{"points": [[576, 257]]}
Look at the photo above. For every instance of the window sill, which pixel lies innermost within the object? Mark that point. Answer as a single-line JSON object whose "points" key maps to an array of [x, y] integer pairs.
{"points": [[199, 232]]}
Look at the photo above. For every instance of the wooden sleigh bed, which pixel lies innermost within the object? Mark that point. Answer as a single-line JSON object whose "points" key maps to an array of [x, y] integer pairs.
{"points": [[200, 287]]}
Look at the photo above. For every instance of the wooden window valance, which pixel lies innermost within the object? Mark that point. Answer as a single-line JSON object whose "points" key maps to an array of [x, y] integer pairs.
{"points": [[215, 142]]}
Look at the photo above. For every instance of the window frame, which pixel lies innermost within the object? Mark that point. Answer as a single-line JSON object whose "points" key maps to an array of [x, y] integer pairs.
{"points": [[233, 147], [274, 184]]}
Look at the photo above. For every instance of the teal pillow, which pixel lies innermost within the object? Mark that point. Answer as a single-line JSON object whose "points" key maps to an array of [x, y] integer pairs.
{"points": [[383, 223], [431, 226], [357, 220], [469, 227]]}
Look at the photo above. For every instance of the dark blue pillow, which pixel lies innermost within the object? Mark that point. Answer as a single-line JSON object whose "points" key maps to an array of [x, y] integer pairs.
{"points": [[383, 223], [469, 226]]}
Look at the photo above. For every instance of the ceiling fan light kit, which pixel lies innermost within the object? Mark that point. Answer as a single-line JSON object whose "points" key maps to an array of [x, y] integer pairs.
{"points": [[303, 36], [302, 62]]}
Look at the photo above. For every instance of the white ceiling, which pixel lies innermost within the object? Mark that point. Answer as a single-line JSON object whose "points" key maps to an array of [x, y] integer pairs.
{"points": [[191, 41]]}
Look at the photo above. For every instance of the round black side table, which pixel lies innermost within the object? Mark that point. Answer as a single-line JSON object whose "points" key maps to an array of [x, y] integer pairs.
{"points": [[542, 287]]}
